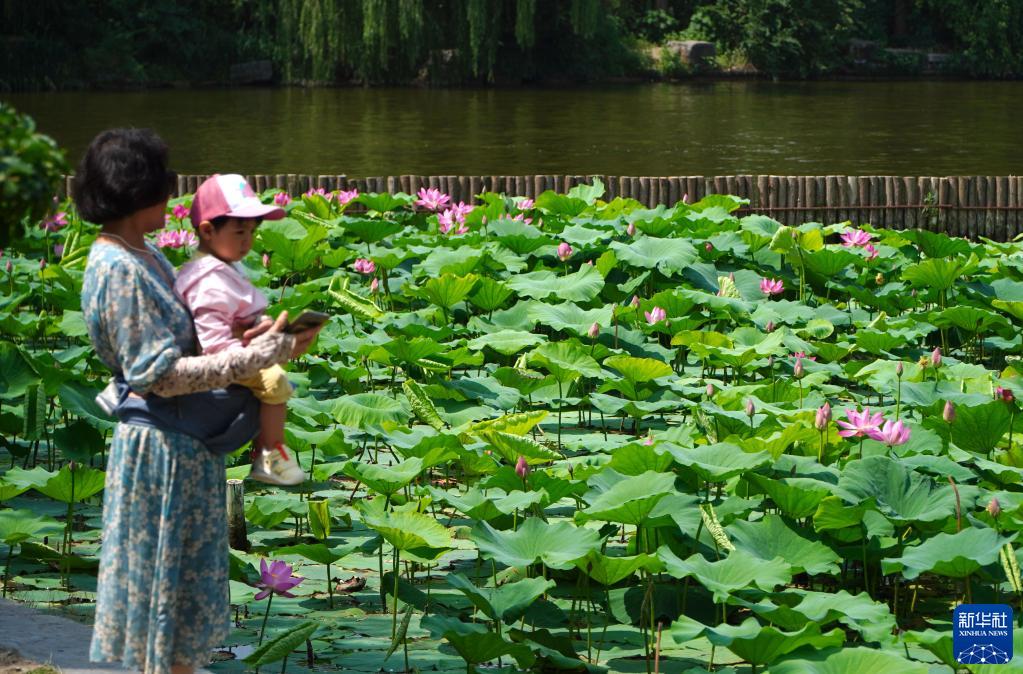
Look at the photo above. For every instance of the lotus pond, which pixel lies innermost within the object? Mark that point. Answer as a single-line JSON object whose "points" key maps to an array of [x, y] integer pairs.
{"points": [[575, 435]]}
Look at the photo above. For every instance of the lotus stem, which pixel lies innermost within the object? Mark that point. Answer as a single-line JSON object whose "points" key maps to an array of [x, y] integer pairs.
{"points": [[262, 629], [394, 597]]}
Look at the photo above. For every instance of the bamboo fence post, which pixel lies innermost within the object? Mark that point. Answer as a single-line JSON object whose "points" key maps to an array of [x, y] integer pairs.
{"points": [[1012, 216], [831, 198], [1002, 201], [644, 191], [912, 195], [237, 537], [674, 190]]}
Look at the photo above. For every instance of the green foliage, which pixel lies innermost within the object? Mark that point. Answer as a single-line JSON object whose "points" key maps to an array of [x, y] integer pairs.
{"points": [[31, 166]]}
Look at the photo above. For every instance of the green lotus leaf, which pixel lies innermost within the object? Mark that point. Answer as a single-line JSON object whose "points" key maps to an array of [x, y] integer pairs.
{"points": [[382, 479], [421, 404], [771, 537], [580, 286], [384, 201], [639, 370], [474, 642], [519, 423], [979, 428], [556, 545], [666, 255], [280, 646], [69, 486], [363, 410], [489, 505], [970, 319], [568, 316], [610, 570], [829, 263], [510, 447], [517, 236], [506, 342], [506, 603], [636, 458], [458, 261], [953, 555], [628, 501], [565, 360], [413, 533], [937, 274], [21, 525], [938, 643], [755, 643], [319, 552], [738, 570], [9, 490], [490, 294], [899, 492], [833, 514], [873, 620], [448, 290], [717, 462], [856, 660]]}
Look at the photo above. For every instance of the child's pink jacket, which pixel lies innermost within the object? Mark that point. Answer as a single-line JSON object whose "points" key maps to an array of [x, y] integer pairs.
{"points": [[218, 294]]}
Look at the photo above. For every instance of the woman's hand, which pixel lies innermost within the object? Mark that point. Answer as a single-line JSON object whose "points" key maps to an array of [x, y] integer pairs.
{"points": [[304, 339], [247, 333]]}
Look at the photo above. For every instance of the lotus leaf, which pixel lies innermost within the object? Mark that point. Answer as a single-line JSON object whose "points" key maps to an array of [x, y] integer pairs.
{"points": [[737, 571], [954, 555], [556, 545]]}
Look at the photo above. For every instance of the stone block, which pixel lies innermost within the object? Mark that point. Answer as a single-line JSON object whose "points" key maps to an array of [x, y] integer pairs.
{"points": [[693, 52], [253, 72]]}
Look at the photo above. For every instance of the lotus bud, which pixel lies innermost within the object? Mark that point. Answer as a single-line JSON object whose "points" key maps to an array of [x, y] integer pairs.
{"points": [[913, 294], [374, 286], [8, 266], [879, 279], [769, 327], [266, 261], [797, 370], [936, 357], [898, 369], [42, 264], [823, 417], [708, 247], [521, 467], [770, 362], [564, 251], [649, 440], [1005, 394], [750, 408], [710, 390], [594, 330], [589, 262], [72, 466], [949, 413], [994, 508], [635, 301], [58, 249], [685, 198], [631, 229]]}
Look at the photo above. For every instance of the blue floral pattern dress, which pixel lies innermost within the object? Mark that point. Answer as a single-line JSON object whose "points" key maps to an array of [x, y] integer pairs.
{"points": [[163, 593]]}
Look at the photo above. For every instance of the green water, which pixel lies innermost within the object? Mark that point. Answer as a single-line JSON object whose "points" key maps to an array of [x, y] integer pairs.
{"points": [[907, 128]]}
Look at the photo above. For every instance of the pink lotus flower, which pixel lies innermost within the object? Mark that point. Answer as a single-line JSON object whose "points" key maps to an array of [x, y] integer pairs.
{"points": [[176, 238], [871, 251], [710, 390], [525, 204], [180, 211], [462, 209], [594, 330], [364, 266], [750, 407], [772, 286], [797, 369], [266, 261], [631, 229], [58, 249], [446, 221], [317, 190], [899, 369], [521, 217], [329, 196], [1005, 394], [432, 199], [994, 508], [374, 286], [823, 417], [685, 198], [802, 354], [949, 412], [8, 267], [891, 434], [936, 357], [654, 316], [860, 423], [276, 579], [635, 301], [855, 237], [42, 265], [649, 440], [282, 199], [564, 251], [521, 467], [56, 223], [769, 327], [346, 197], [708, 246]]}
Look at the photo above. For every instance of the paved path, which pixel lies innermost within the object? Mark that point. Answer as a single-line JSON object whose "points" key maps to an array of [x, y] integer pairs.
{"points": [[50, 639]]}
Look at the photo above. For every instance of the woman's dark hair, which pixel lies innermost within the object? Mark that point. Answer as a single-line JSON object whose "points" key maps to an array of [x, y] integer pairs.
{"points": [[123, 171]]}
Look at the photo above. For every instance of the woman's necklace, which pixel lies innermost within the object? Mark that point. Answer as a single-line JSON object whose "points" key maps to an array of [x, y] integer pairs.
{"points": [[128, 245]]}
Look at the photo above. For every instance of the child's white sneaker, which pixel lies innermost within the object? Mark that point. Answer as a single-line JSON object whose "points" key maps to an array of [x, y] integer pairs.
{"points": [[276, 466]]}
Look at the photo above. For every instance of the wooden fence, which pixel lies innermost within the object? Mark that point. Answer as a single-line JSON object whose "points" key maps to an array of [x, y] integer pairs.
{"points": [[970, 206]]}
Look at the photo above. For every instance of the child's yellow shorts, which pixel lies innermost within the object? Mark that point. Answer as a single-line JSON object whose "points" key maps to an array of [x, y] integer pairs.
{"points": [[271, 385]]}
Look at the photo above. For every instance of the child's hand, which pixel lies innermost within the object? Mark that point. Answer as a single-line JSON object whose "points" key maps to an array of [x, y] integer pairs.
{"points": [[246, 333]]}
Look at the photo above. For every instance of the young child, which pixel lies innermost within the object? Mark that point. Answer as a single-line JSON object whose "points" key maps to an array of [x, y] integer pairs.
{"points": [[214, 287]]}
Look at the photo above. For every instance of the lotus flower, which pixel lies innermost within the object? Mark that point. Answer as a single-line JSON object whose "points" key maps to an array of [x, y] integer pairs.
{"points": [[1005, 394], [446, 221], [526, 204], [860, 423], [802, 354], [631, 229], [685, 198], [56, 223], [461, 209], [710, 390], [58, 249], [8, 266], [769, 327], [432, 199], [936, 357], [994, 508], [949, 413], [750, 407], [276, 579], [855, 237], [42, 265], [655, 315], [871, 251], [635, 301], [708, 246], [649, 440], [879, 279], [891, 434], [364, 266], [318, 190], [346, 197], [797, 369], [594, 330], [771, 287], [521, 467], [176, 238], [521, 217], [823, 417], [374, 286], [564, 251], [282, 199], [266, 261]]}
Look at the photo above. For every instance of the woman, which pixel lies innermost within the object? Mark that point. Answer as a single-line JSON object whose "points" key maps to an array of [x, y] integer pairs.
{"points": [[163, 597]]}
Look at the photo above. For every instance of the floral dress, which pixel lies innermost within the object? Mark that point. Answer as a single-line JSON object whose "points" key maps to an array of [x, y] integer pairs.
{"points": [[163, 593]]}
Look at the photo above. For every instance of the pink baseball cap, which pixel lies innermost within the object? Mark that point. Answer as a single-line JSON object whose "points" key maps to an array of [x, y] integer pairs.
{"points": [[229, 194]]}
